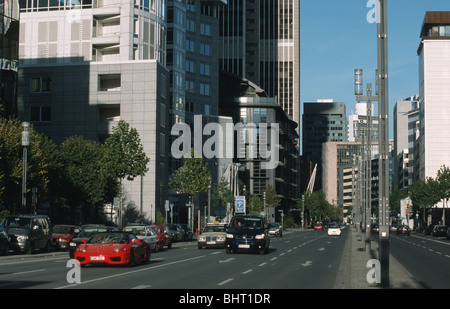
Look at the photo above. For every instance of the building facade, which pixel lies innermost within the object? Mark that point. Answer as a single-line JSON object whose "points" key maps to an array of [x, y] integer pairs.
{"points": [[434, 93], [87, 64], [323, 121], [9, 57], [260, 41]]}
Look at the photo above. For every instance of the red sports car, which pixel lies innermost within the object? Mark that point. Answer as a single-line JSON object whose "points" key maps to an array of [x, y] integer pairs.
{"points": [[113, 248]]}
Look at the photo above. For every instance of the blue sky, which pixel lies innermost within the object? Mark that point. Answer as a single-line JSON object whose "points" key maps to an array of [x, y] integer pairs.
{"points": [[336, 38]]}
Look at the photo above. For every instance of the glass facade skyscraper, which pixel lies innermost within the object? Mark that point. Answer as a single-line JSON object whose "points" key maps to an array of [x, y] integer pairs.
{"points": [[9, 56]]}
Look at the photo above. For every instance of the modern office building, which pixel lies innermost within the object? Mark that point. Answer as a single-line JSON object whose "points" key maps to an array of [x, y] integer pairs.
{"points": [[323, 121], [87, 64], [260, 41], [434, 93], [357, 118], [406, 123], [249, 105], [9, 57]]}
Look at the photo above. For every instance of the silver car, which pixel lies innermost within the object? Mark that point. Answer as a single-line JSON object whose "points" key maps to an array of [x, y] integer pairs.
{"points": [[144, 232]]}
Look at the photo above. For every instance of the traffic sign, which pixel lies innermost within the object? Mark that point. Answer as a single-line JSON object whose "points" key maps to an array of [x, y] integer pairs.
{"points": [[239, 204]]}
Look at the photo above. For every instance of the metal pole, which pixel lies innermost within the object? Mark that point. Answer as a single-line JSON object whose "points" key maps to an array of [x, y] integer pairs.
{"points": [[383, 159]]}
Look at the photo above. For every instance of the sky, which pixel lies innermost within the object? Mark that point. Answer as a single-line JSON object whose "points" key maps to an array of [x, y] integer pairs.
{"points": [[336, 38]]}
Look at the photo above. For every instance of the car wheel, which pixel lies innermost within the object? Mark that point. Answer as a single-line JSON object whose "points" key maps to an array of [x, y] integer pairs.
{"points": [[131, 259], [48, 247], [170, 245], [147, 256], [228, 251]]}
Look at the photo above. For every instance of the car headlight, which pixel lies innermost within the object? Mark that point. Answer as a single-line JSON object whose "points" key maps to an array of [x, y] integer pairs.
{"points": [[63, 240], [81, 249], [261, 236], [120, 249], [22, 238], [72, 244], [202, 238], [230, 236]]}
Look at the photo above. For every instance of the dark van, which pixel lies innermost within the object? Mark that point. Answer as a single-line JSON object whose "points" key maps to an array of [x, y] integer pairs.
{"points": [[29, 232], [247, 233]]}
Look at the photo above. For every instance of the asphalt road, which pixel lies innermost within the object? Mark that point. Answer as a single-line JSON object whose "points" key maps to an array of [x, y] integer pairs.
{"points": [[427, 258], [299, 259]]}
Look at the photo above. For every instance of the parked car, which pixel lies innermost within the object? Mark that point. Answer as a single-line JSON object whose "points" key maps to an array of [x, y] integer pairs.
{"points": [[86, 233], [144, 232], [275, 229], [29, 232], [448, 233], [175, 232], [404, 230], [247, 233], [318, 226], [188, 235], [4, 241], [164, 238], [116, 248], [63, 234], [334, 230], [212, 236], [440, 230], [393, 227], [374, 228]]}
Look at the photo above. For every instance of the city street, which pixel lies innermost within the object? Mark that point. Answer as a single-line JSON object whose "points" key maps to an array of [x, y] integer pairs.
{"points": [[299, 260]]}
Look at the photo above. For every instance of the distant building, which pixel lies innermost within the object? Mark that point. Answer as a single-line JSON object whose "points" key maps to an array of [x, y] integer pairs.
{"points": [[247, 103], [323, 121]]}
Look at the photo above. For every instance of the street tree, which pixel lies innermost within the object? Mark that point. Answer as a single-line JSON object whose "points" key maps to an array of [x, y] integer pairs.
{"points": [[221, 195], [83, 175], [425, 194], [191, 178], [443, 178], [125, 156], [40, 156]]}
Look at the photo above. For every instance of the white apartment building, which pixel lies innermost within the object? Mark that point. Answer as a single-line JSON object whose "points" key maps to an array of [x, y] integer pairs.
{"points": [[86, 64], [434, 95]]}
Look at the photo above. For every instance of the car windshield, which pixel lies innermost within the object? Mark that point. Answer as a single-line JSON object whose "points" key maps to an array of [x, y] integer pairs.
{"points": [[253, 223], [218, 228], [333, 226], [91, 231], [109, 238], [63, 229], [17, 222]]}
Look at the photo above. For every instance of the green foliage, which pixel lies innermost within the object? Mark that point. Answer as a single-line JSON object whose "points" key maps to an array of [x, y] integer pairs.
{"points": [[40, 156], [84, 176], [221, 194], [318, 206], [394, 199], [255, 205], [124, 152], [192, 177], [272, 200]]}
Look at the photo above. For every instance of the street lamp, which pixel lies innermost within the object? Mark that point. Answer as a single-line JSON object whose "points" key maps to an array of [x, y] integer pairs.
{"points": [[25, 144]]}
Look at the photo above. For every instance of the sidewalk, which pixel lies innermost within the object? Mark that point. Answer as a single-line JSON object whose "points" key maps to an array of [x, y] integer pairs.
{"points": [[353, 270]]}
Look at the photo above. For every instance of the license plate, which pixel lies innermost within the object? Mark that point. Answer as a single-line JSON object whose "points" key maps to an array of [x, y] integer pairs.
{"points": [[97, 258], [244, 246], [211, 243]]}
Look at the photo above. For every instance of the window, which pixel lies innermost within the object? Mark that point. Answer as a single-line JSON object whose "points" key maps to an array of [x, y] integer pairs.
{"points": [[205, 89], [205, 69], [41, 84], [40, 113], [205, 29], [109, 82]]}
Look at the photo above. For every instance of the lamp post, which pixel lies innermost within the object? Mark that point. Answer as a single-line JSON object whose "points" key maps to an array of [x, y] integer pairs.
{"points": [[383, 159], [25, 144], [366, 146]]}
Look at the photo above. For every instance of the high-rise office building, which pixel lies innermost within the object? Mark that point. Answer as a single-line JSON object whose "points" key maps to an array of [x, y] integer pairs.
{"points": [[260, 41], [434, 93], [87, 64], [9, 57], [323, 121]]}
